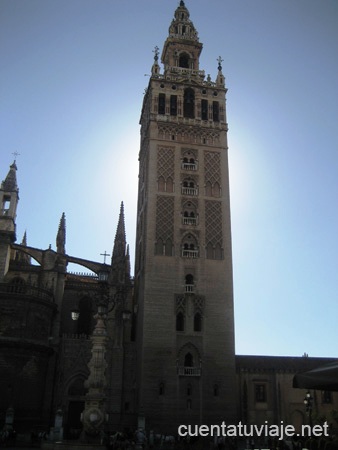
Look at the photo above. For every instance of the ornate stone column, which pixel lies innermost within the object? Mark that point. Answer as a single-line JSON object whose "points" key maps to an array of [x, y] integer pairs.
{"points": [[94, 414]]}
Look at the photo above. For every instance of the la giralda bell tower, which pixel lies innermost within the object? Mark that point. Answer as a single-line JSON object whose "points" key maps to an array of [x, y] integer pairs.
{"points": [[183, 268]]}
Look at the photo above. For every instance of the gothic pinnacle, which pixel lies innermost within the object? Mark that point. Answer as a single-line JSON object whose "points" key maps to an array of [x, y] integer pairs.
{"points": [[61, 236]]}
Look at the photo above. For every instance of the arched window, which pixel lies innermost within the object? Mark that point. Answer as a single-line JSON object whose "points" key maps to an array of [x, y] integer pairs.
{"points": [[170, 185], [189, 163], [189, 247], [189, 390], [189, 213], [189, 103], [184, 60], [216, 190], [161, 104], [215, 111], [161, 184], [189, 283], [173, 105], [204, 109], [218, 252], [159, 247], [180, 321], [197, 322], [161, 389], [188, 360], [189, 279], [189, 187], [208, 189]]}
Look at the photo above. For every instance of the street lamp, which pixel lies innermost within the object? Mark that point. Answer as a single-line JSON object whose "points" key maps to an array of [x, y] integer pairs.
{"points": [[308, 402]]}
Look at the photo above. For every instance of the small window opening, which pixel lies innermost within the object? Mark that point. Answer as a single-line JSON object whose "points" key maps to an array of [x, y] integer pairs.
{"points": [[180, 322], [189, 103], [260, 393], [215, 111], [188, 360], [197, 322], [204, 109], [6, 204], [173, 105], [161, 104]]}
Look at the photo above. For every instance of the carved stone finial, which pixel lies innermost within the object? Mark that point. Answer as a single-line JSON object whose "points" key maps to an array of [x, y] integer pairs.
{"points": [[156, 53], [61, 235], [220, 60]]}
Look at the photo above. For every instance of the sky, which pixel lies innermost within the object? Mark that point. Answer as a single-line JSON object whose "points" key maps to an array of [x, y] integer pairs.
{"points": [[72, 80]]}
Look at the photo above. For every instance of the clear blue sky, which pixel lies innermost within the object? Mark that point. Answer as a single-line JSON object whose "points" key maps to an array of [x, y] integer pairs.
{"points": [[72, 77]]}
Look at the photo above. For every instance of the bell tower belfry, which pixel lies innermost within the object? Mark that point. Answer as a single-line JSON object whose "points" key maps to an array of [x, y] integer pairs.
{"points": [[9, 197], [183, 265]]}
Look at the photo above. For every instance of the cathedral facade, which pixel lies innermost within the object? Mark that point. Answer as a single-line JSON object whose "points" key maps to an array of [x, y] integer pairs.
{"points": [[166, 336]]}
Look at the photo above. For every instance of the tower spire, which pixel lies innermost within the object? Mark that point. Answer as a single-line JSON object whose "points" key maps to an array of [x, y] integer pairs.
{"points": [[61, 235], [119, 249], [24, 239], [22, 256], [10, 183], [118, 260]]}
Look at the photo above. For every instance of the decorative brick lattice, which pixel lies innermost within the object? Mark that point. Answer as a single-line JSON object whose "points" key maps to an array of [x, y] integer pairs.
{"points": [[188, 134], [165, 218], [213, 223], [212, 163], [165, 162], [180, 304], [198, 304]]}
